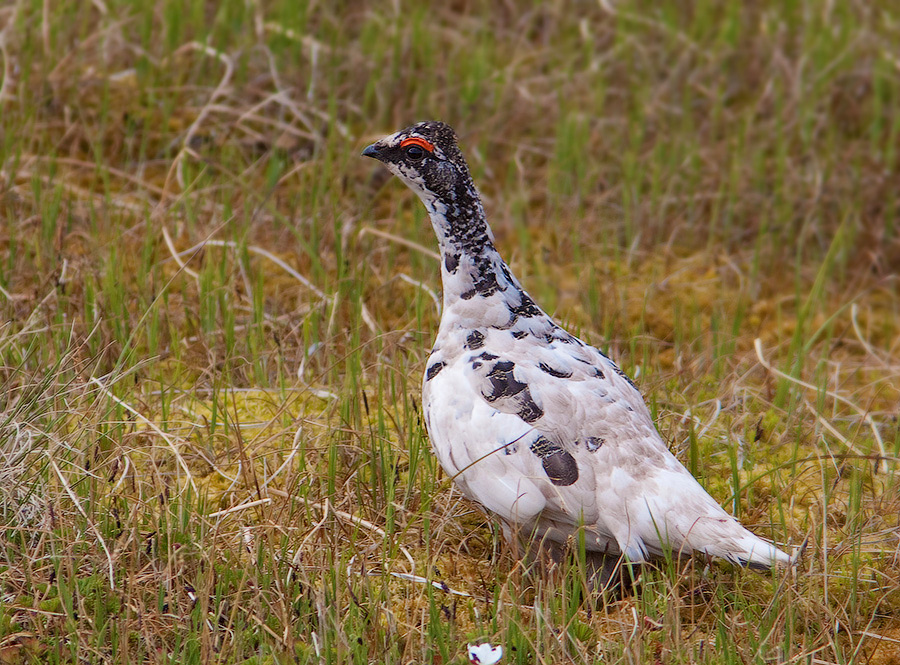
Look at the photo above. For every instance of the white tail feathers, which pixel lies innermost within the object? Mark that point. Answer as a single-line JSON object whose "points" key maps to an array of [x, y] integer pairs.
{"points": [[762, 553], [750, 551], [715, 533]]}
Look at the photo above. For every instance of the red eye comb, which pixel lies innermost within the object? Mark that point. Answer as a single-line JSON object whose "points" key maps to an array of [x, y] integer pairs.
{"points": [[416, 140]]}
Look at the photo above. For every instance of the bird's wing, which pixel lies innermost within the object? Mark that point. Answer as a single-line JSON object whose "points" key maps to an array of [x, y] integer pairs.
{"points": [[553, 436]]}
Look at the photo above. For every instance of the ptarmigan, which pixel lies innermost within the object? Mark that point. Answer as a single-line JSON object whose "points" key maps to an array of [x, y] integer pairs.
{"points": [[542, 429]]}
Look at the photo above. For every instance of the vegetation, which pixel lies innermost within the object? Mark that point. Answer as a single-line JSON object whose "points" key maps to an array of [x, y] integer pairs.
{"points": [[214, 318]]}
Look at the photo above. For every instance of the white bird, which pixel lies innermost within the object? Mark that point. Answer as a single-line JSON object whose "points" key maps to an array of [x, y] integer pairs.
{"points": [[542, 429]]}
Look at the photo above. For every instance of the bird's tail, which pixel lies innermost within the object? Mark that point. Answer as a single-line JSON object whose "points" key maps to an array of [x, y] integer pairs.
{"points": [[747, 549]]}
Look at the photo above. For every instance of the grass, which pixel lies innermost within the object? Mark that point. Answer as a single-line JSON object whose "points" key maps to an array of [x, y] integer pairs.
{"points": [[214, 318]]}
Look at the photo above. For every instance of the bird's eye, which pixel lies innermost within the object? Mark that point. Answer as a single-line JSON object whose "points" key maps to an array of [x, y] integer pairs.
{"points": [[415, 152]]}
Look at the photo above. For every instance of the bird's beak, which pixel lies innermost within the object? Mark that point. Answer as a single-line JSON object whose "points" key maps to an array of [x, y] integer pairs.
{"points": [[371, 151]]}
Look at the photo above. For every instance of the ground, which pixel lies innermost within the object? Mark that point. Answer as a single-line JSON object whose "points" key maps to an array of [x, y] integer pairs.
{"points": [[214, 318]]}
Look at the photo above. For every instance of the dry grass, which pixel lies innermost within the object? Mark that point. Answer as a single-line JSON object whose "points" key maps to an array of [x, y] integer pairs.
{"points": [[214, 318]]}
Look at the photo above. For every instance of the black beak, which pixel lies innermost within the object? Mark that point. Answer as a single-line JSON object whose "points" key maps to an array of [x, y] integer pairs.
{"points": [[370, 151]]}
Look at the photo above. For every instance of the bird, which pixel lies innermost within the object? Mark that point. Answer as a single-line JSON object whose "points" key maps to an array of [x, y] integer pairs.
{"points": [[543, 430]]}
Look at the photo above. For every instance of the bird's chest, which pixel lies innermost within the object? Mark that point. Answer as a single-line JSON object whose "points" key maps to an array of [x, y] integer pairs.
{"points": [[457, 414], [448, 396], [470, 371]]}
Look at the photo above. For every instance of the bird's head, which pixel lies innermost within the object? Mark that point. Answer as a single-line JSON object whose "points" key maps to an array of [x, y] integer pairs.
{"points": [[427, 158]]}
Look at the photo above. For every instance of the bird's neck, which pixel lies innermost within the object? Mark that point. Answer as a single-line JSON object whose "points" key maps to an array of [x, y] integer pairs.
{"points": [[478, 286]]}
